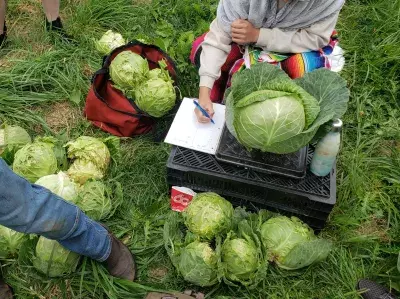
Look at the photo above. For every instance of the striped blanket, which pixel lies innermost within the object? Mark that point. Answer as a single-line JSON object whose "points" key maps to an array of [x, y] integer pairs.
{"points": [[295, 65]]}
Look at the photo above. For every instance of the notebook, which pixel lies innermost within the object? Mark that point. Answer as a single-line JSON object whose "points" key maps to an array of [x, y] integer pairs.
{"points": [[187, 132]]}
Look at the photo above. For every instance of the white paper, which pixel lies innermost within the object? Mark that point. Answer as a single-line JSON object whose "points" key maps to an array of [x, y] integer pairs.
{"points": [[187, 132]]}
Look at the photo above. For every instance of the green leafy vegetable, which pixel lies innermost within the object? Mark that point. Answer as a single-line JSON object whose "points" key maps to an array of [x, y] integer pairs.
{"points": [[155, 97], [12, 138], [90, 149], [128, 70], [266, 110], [83, 170], [61, 185], [161, 72], [240, 257], [291, 244], [35, 160], [155, 74], [10, 242], [243, 257], [54, 260], [95, 201], [59, 150], [208, 215], [198, 264], [109, 41]]}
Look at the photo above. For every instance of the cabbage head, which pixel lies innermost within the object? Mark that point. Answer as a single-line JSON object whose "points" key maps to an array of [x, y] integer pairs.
{"points": [[155, 74], [198, 264], [128, 70], [53, 260], [268, 111], [109, 41], [208, 215], [160, 73], [83, 170], [90, 149], [10, 242], [61, 185], [35, 160], [12, 138], [291, 244], [155, 97], [95, 201], [240, 257]]}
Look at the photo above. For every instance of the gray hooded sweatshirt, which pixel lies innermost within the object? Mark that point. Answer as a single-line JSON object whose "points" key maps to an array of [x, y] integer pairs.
{"points": [[294, 26]]}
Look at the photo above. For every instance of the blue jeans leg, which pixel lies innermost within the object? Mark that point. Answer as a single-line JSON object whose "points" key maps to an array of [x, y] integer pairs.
{"points": [[32, 209]]}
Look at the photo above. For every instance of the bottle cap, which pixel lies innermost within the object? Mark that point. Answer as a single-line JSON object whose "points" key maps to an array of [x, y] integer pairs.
{"points": [[337, 125]]}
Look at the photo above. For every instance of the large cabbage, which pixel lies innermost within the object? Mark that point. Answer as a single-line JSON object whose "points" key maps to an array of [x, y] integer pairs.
{"points": [[90, 149], [109, 41], [61, 185], [155, 97], [240, 258], [58, 149], [208, 215], [54, 260], [128, 70], [267, 110], [10, 241], [198, 264], [95, 201], [83, 170], [291, 244], [12, 138], [35, 160]]}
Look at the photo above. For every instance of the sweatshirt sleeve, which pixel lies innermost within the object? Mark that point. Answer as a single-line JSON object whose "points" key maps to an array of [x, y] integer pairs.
{"points": [[309, 39], [215, 50]]}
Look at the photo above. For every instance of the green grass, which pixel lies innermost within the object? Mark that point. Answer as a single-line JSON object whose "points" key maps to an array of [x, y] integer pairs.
{"points": [[38, 71]]}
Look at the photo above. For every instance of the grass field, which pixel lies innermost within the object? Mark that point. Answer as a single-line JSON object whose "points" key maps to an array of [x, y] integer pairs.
{"points": [[43, 83]]}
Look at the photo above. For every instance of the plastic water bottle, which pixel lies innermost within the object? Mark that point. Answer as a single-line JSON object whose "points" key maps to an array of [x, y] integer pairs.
{"points": [[326, 151]]}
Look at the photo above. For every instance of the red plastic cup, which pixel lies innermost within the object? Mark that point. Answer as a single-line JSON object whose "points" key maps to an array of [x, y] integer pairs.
{"points": [[181, 198]]}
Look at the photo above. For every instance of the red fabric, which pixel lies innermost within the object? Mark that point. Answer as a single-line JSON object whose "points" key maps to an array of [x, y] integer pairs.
{"points": [[108, 109]]}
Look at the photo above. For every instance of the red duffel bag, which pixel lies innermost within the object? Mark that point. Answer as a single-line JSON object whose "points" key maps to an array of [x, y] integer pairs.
{"points": [[108, 108]]}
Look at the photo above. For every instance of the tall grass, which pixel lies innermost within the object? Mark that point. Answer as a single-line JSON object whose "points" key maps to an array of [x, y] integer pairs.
{"points": [[41, 69]]}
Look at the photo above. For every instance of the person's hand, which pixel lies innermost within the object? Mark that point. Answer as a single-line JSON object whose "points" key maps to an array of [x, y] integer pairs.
{"points": [[206, 104], [243, 32]]}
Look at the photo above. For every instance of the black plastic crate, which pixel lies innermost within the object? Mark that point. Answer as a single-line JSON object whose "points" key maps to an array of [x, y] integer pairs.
{"points": [[311, 198], [292, 165]]}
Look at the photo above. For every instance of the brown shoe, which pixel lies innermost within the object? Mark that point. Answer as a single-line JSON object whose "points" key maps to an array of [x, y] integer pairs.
{"points": [[5, 291], [121, 263]]}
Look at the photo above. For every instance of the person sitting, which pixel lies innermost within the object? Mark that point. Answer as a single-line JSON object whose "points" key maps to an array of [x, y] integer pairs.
{"points": [[295, 35]]}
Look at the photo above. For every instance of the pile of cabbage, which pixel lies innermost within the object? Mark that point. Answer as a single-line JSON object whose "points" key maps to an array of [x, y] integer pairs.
{"points": [[75, 171], [268, 111], [152, 90], [211, 242]]}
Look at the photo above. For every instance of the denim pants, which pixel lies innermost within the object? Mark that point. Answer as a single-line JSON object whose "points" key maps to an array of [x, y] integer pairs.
{"points": [[32, 209]]}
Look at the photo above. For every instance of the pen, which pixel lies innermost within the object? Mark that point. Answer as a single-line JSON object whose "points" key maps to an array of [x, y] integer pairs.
{"points": [[203, 111]]}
